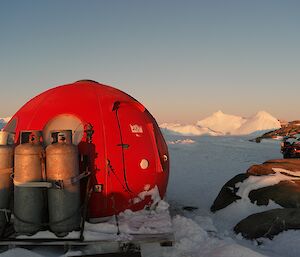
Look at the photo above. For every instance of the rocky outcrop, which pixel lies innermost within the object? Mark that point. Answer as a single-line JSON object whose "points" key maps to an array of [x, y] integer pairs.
{"points": [[267, 167], [279, 182], [269, 223], [290, 128], [285, 194], [228, 194]]}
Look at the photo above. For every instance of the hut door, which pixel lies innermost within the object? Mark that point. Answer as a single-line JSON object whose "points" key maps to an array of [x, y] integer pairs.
{"points": [[138, 146]]}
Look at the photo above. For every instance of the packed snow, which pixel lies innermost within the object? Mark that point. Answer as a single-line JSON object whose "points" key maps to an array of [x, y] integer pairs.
{"points": [[220, 123], [129, 223]]}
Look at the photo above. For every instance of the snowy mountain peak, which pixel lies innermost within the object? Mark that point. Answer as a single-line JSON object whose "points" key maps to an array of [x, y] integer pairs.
{"points": [[260, 121], [263, 113], [218, 113], [220, 123], [187, 130]]}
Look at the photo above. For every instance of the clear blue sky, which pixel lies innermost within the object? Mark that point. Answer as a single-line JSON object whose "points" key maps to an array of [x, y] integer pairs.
{"points": [[182, 59]]}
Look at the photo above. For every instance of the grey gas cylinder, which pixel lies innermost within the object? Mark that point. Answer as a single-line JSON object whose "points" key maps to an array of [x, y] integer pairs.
{"points": [[29, 202], [64, 197], [6, 167]]}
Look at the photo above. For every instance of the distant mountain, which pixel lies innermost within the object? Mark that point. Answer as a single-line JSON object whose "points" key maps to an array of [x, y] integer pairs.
{"points": [[217, 124], [261, 121], [187, 130], [220, 123]]}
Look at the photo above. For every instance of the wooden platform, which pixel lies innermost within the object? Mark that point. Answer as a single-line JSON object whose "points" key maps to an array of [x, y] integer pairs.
{"points": [[109, 248], [129, 254], [137, 238]]}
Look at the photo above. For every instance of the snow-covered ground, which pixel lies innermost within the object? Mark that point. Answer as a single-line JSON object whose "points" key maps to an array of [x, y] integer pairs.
{"points": [[200, 166], [199, 170]]}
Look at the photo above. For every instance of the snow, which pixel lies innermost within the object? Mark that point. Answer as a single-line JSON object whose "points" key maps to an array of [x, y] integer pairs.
{"points": [[154, 193], [192, 240], [141, 222], [179, 129], [182, 141], [198, 171], [224, 123], [255, 182], [220, 124], [259, 122]]}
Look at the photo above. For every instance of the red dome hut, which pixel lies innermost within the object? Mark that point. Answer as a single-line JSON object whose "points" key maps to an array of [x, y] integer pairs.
{"points": [[119, 142]]}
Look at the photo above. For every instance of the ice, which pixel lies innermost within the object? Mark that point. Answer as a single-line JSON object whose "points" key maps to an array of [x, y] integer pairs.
{"points": [[259, 122], [193, 130], [220, 123], [224, 123]]}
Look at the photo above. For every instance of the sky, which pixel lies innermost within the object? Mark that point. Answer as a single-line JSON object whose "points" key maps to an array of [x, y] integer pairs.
{"points": [[182, 59]]}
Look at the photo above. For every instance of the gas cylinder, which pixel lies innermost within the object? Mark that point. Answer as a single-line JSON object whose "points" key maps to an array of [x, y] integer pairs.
{"points": [[6, 167], [29, 201], [62, 168]]}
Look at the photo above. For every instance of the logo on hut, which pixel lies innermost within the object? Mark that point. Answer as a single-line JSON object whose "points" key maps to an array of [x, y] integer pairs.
{"points": [[136, 128]]}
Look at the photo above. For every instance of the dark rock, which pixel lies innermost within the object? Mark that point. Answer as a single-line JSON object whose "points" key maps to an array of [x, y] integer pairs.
{"points": [[189, 208], [268, 223], [227, 194], [285, 193]]}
